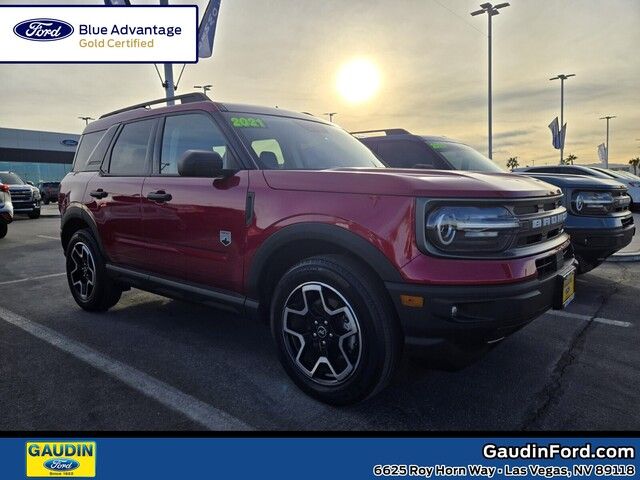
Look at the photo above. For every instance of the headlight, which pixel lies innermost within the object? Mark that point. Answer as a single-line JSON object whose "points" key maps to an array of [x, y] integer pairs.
{"points": [[35, 194], [469, 229], [595, 203]]}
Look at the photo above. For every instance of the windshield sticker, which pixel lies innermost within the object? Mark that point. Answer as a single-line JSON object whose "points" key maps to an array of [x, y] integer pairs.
{"points": [[437, 146], [247, 122]]}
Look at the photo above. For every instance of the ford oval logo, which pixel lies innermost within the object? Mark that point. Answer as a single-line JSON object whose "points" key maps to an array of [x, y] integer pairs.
{"points": [[61, 464], [43, 30], [69, 143]]}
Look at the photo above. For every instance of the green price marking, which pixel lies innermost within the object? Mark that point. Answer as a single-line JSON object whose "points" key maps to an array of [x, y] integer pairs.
{"points": [[437, 146], [247, 122]]}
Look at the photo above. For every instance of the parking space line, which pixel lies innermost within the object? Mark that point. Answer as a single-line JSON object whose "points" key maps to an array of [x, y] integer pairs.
{"points": [[578, 316], [49, 237], [20, 280], [200, 412]]}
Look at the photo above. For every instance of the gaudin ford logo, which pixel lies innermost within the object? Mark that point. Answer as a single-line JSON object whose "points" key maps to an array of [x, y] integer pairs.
{"points": [[43, 30]]}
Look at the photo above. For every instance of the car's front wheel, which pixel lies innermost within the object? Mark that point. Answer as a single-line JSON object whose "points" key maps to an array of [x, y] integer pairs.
{"points": [[337, 333], [3, 230], [87, 276], [34, 214]]}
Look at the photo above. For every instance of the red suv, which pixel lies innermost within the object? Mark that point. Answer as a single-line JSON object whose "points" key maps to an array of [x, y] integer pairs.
{"points": [[284, 216]]}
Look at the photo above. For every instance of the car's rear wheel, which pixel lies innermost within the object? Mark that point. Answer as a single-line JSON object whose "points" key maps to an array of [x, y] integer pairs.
{"points": [[337, 333], [34, 214], [3, 230], [90, 285]]}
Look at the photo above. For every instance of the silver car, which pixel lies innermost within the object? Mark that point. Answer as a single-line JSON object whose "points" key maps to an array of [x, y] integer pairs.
{"points": [[6, 209]]}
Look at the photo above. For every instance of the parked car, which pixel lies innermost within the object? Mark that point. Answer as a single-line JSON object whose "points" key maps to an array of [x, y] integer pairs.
{"points": [[49, 191], [599, 221], [633, 185], [285, 216], [24, 196], [6, 209]]}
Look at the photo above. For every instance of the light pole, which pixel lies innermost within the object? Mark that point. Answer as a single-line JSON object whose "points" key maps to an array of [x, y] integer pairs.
{"points": [[86, 120], [562, 77], [331, 114], [490, 10], [169, 86], [607, 118], [205, 88]]}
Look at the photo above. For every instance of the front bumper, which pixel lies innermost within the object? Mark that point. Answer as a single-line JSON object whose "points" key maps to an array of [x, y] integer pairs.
{"points": [[26, 207], [460, 315], [601, 243]]}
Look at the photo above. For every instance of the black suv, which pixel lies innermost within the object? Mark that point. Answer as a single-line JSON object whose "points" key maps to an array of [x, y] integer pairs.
{"points": [[599, 219], [24, 196]]}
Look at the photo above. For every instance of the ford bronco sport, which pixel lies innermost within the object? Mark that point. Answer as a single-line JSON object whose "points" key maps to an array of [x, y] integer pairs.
{"points": [[283, 215]]}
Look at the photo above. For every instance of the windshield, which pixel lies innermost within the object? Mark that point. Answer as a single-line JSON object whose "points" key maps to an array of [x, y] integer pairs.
{"points": [[284, 143], [10, 179], [610, 173], [463, 157]]}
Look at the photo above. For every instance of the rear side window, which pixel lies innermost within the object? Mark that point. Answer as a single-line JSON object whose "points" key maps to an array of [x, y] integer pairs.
{"points": [[129, 154], [87, 143], [191, 132], [406, 154]]}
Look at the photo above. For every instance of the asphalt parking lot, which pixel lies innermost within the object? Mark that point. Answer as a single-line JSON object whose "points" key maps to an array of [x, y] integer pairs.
{"points": [[157, 364]]}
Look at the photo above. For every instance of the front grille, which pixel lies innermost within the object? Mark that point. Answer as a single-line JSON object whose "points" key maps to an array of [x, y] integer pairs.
{"points": [[20, 195], [541, 220], [554, 262]]}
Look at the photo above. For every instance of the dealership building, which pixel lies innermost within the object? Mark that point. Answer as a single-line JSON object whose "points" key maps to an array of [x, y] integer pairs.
{"points": [[37, 156]]}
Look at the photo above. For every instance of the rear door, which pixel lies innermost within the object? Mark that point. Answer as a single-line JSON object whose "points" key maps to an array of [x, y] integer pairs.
{"points": [[198, 233], [114, 194]]}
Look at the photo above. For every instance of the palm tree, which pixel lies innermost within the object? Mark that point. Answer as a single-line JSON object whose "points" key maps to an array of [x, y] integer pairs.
{"points": [[570, 159], [634, 162], [512, 163]]}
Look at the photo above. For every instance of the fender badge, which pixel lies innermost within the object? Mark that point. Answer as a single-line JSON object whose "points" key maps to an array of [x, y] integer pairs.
{"points": [[225, 238]]}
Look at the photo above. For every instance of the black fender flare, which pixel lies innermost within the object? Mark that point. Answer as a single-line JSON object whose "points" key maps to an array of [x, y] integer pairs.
{"points": [[81, 212], [357, 245]]}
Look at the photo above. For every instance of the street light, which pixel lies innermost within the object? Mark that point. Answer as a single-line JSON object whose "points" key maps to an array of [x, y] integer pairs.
{"points": [[490, 10], [205, 88], [607, 118], [562, 77], [86, 120], [331, 114]]}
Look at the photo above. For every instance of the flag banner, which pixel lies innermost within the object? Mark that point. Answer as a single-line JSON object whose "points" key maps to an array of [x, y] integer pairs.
{"points": [[563, 134], [602, 153], [207, 30], [117, 3], [554, 126], [367, 458]]}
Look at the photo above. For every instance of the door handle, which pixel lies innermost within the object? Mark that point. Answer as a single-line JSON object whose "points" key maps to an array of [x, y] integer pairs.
{"points": [[160, 196], [99, 193]]}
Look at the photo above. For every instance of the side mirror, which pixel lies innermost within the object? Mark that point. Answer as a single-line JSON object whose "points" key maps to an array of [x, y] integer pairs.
{"points": [[201, 163]]}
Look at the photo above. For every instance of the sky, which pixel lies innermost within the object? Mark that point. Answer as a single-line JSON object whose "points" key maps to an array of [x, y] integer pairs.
{"points": [[432, 59]]}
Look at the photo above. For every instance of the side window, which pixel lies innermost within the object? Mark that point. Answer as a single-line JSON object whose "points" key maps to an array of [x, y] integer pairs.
{"points": [[87, 143], [192, 132], [129, 154], [405, 154]]}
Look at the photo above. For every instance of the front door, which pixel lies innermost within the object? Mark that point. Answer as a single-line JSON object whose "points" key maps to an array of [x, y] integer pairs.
{"points": [[195, 227]]}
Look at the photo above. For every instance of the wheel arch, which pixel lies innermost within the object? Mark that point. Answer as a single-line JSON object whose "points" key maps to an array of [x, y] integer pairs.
{"points": [[76, 218], [293, 243]]}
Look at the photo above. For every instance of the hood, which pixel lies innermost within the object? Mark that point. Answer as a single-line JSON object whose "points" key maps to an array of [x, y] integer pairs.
{"points": [[410, 183], [574, 181]]}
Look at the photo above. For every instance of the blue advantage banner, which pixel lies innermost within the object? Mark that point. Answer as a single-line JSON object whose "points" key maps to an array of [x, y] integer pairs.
{"points": [[319, 458]]}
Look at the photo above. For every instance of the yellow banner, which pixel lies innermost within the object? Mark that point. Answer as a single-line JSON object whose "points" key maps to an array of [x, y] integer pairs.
{"points": [[61, 459]]}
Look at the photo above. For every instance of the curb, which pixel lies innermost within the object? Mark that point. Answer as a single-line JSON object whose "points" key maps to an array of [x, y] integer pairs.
{"points": [[624, 257]]}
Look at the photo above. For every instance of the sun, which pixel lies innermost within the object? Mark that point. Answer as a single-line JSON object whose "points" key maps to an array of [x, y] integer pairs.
{"points": [[358, 80]]}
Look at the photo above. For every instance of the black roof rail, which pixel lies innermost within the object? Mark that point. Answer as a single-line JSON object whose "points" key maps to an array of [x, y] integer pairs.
{"points": [[386, 131], [186, 98]]}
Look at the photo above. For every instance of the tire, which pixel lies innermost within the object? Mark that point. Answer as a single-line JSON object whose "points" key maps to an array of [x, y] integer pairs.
{"points": [[349, 322], [586, 265], [46, 201], [34, 214], [90, 285], [4, 228]]}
